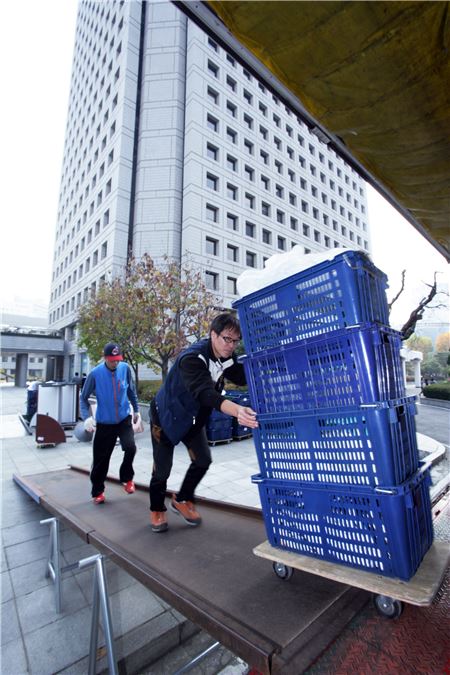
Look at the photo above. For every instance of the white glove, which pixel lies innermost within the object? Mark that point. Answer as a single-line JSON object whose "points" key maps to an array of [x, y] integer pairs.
{"points": [[90, 424], [138, 425]]}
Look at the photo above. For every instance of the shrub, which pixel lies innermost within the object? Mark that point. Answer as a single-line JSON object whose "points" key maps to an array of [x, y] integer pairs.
{"points": [[147, 389], [440, 390]]}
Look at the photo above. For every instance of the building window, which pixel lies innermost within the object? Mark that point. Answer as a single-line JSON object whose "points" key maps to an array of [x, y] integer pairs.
{"points": [[213, 69], [231, 286], [249, 146], [232, 253], [266, 236], [262, 109], [279, 191], [250, 229], [265, 182], [232, 222], [265, 209], [232, 192], [212, 213], [212, 182], [294, 223], [248, 97], [280, 216], [306, 230], [212, 123], [250, 259], [211, 281], [281, 243], [231, 135], [249, 201], [232, 163], [248, 121], [263, 132], [213, 95], [264, 156], [212, 152], [213, 44], [249, 173], [232, 109], [212, 246], [231, 83]]}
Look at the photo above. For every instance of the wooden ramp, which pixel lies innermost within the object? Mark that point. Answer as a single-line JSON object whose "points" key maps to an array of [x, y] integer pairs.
{"points": [[210, 573]]}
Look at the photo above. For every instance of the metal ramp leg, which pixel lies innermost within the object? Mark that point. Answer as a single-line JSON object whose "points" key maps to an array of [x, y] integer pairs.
{"points": [[100, 602], [100, 599], [53, 565]]}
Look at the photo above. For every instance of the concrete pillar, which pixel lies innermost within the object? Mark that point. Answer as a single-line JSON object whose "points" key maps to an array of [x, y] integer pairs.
{"points": [[417, 372], [20, 379], [403, 360], [50, 369]]}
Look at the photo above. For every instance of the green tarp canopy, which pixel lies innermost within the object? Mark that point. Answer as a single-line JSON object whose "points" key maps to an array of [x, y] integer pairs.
{"points": [[375, 76]]}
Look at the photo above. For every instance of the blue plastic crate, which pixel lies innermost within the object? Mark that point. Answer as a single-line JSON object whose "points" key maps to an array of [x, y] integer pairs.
{"points": [[219, 427], [381, 532], [365, 446], [350, 367], [345, 291], [221, 434]]}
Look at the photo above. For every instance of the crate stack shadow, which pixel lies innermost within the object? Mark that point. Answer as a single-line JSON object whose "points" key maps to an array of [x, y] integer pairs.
{"points": [[339, 475]]}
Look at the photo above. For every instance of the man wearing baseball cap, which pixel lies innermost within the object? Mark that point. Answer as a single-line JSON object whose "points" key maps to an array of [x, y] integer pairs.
{"points": [[113, 386]]}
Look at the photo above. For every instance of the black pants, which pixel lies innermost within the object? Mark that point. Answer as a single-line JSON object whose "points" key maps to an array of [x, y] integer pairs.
{"points": [[104, 443], [199, 452]]}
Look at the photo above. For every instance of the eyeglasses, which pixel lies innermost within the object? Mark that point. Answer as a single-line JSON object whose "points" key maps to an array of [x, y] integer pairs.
{"points": [[229, 340]]}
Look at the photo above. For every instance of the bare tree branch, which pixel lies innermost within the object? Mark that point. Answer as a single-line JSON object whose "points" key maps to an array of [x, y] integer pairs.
{"points": [[402, 288], [417, 314]]}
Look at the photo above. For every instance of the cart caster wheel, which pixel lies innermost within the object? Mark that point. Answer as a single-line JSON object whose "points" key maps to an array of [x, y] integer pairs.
{"points": [[387, 607], [282, 571]]}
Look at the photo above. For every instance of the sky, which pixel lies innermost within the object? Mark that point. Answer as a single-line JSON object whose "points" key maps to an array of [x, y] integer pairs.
{"points": [[36, 49]]}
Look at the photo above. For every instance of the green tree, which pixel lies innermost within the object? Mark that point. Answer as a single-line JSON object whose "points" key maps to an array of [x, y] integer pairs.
{"points": [[153, 312], [110, 316], [419, 344], [434, 367], [177, 305], [443, 342]]}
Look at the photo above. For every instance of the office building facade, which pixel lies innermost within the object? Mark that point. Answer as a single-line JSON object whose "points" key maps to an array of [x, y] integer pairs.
{"points": [[173, 147]]}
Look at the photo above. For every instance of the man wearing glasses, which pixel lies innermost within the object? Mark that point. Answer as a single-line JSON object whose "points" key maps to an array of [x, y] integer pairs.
{"points": [[181, 409]]}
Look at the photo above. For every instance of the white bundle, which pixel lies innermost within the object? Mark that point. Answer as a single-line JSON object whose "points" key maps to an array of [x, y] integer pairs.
{"points": [[90, 424], [282, 265], [138, 426]]}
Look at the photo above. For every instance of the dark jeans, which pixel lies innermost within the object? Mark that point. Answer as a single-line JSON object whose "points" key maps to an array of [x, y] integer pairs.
{"points": [[104, 443], [199, 452]]}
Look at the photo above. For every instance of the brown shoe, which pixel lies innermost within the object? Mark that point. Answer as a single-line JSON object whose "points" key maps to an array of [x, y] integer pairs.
{"points": [[158, 520], [187, 511]]}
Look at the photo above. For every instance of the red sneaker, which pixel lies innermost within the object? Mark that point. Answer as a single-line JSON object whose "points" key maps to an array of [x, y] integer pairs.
{"points": [[129, 487], [99, 499], [187, 511], [158, 521]]}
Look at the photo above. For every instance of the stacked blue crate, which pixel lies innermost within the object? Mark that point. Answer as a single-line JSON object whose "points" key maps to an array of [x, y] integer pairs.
{"points": [[336, 443], [239, 431], [219, 428]]}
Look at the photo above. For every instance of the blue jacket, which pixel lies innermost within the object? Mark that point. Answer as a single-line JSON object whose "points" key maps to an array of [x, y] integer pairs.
{"points": [[178, 404], [114, 390]]}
